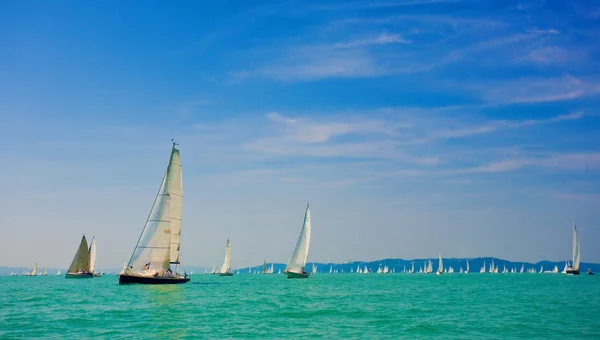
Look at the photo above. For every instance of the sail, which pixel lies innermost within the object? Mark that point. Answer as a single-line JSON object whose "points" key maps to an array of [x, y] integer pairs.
{"points": [[298, 260], [81, 261], [175, 191], [467, 266], [34, 271], [576, 251], [93, 256], [441, 264], [226, 267], [152, 253]]}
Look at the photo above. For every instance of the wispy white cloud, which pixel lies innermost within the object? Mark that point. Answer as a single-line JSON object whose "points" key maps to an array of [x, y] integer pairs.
{"points": [[538, 90], [576, 161], [381, 39], [319, 62]]}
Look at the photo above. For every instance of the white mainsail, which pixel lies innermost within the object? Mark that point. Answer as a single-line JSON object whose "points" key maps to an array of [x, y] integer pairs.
{"points": [[440, 265], [81, 261], [576, 251], [467, 271], [298, 260], [175, 185], [226, 267], [34, 271], [160, 237], [93, 256]]}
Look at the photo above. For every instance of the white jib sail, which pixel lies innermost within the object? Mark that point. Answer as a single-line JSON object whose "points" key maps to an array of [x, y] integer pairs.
{"points": [[298, 260], [93, 256], [226, 267], [152, 253]]}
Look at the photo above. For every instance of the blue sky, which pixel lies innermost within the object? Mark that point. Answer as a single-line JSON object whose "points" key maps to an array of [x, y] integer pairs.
{"points": [[466, 127]]}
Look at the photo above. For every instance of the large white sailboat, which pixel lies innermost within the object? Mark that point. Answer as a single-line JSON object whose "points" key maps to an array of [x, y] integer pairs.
{"points": [[80, 266], [576, 255], [296, 267], [226, 267], [159, 243]]}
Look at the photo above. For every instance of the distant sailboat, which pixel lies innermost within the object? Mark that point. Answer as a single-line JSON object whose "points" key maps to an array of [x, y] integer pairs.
{"points": [[44, 272], [80, 266], [440, 265], [295, 268], [34, 271], [58, 273], [522, 267], [482, 270], [159, 243], [314, 268], [226, 267], [574, 270], [467, 271]]}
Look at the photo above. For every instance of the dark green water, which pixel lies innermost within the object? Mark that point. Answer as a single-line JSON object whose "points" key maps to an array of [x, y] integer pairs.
{"points": [[371, 306]]}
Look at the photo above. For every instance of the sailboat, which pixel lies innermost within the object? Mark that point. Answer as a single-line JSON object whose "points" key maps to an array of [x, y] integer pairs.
{"points": [[295, 268], [226, 267], [574, 270], [34, 271], [440, 266], [159, 243], [44, 272], [467, 271], [58, 273], [80, 266], [314, 268], [264, 271]]}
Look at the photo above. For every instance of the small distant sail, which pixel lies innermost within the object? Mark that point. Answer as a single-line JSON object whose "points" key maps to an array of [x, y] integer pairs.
{"points": [[58, 273], [576, 250], [467, 271], [440, 265], [34, 271], [226, 267]]}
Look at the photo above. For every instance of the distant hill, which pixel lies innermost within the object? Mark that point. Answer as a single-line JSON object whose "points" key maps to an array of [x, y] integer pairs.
{"points": [[397, 264]]}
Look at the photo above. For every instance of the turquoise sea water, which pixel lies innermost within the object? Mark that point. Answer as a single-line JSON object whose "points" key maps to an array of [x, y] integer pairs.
{"points": [[371, 306]]}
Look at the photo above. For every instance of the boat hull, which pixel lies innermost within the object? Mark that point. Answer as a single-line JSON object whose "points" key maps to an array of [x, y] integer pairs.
{"points": [[131, 279], [79, 276], [292, 275], [225, 274], [572, 272]]}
